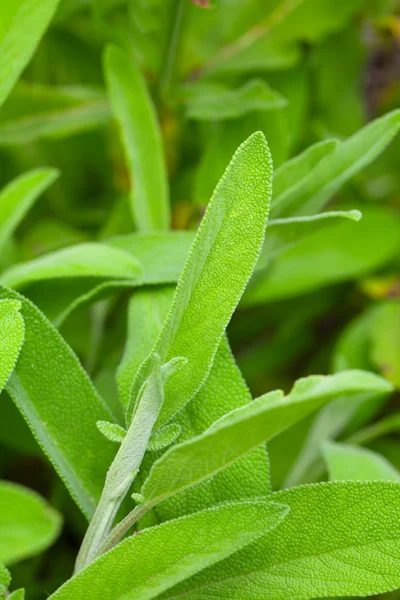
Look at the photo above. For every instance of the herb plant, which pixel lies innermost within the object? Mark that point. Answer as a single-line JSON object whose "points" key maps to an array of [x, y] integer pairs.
{"points": [[150, 473]]}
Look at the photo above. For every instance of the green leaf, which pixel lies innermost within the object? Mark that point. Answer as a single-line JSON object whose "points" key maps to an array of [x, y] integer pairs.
{"points": [[211, 101], [12, 334], [164, 437], [339, 539], [144, 565], [22, 24], [18, 197], [61, 407], [245, 428], [17, 595], [81, 260], [146, 313], [385, 341], [5, 578], [290, 177], [349, 157], [346, 462], [221, 260], [28, 525], [319, 260], [284, 233], [139, 129], [111, 431], [34, 112]]}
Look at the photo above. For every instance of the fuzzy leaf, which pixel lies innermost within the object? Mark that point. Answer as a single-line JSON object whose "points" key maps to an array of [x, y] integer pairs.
{"points": [[141, 137], [28, 525], [219, 265], [339, 539], [164, 437], [112, 431], [22, 24], [12, 333], [61, 407], [245, 428], [144, 565], [350, 462]]}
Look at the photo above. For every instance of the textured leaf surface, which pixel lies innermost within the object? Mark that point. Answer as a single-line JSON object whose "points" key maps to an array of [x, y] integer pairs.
{"points": [[245, 428], [22, 24], [144, 565], [137, 120], [82, 260], [28, 525], [351, 462], [222, 258], [18, 196], [12, 333], [58, 401], [339, 539]]}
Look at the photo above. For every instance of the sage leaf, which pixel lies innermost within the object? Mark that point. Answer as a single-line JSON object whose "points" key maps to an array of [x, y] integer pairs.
{"points": [[12, 333], [346, 462], [221, 260], [22, 24], [164, 437], [146, 564], [28, 525], [112, 431], [61, 407], [141, 137], [245, 428], [18, 197], [348, 545]]}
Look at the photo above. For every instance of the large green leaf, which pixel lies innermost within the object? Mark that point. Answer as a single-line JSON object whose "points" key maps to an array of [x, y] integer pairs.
{"points": [[82, 260], [339, 539], [28, 525], [144, 565], [18, 196], [12, 333], [221, 260], [59, 403], [346, 462], [245, 428], [34, 112], [137, 120], [22, 24]]}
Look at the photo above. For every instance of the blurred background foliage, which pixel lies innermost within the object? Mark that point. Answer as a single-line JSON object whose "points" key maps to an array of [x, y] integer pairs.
{"points": [[302, 71]]}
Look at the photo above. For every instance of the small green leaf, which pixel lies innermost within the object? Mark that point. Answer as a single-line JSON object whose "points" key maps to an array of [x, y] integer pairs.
{"points": [[60, 405], [28, 525], [339, 539], [207, 101], [17, 595], [245, 428], [18, 197], [5, 578], [12, 333], [112, 431], [139, 129], [219, 265], [22, 24], [155, 559], [81, 260], [350, 462], [164, 437]]}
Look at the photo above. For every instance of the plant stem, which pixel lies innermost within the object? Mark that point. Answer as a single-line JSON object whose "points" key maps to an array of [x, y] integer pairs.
{"points": [[119, 530], [167, 68]]}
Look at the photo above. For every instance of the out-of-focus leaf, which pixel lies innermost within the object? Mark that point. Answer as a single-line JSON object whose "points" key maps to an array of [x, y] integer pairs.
{"points": [[22, 24], [319, 260], [18, 196], [385, 341], [347, 462], [220, 263], [143, 566], [82, 260], [34, 111], [141, 137], [342, 548], [12, 333], [245, 428], [28, 525], [215, 102], [59, 403]]}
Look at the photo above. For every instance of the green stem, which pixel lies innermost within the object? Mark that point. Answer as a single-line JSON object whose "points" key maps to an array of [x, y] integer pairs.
{"points": [[119, 530], [167, 68]]}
